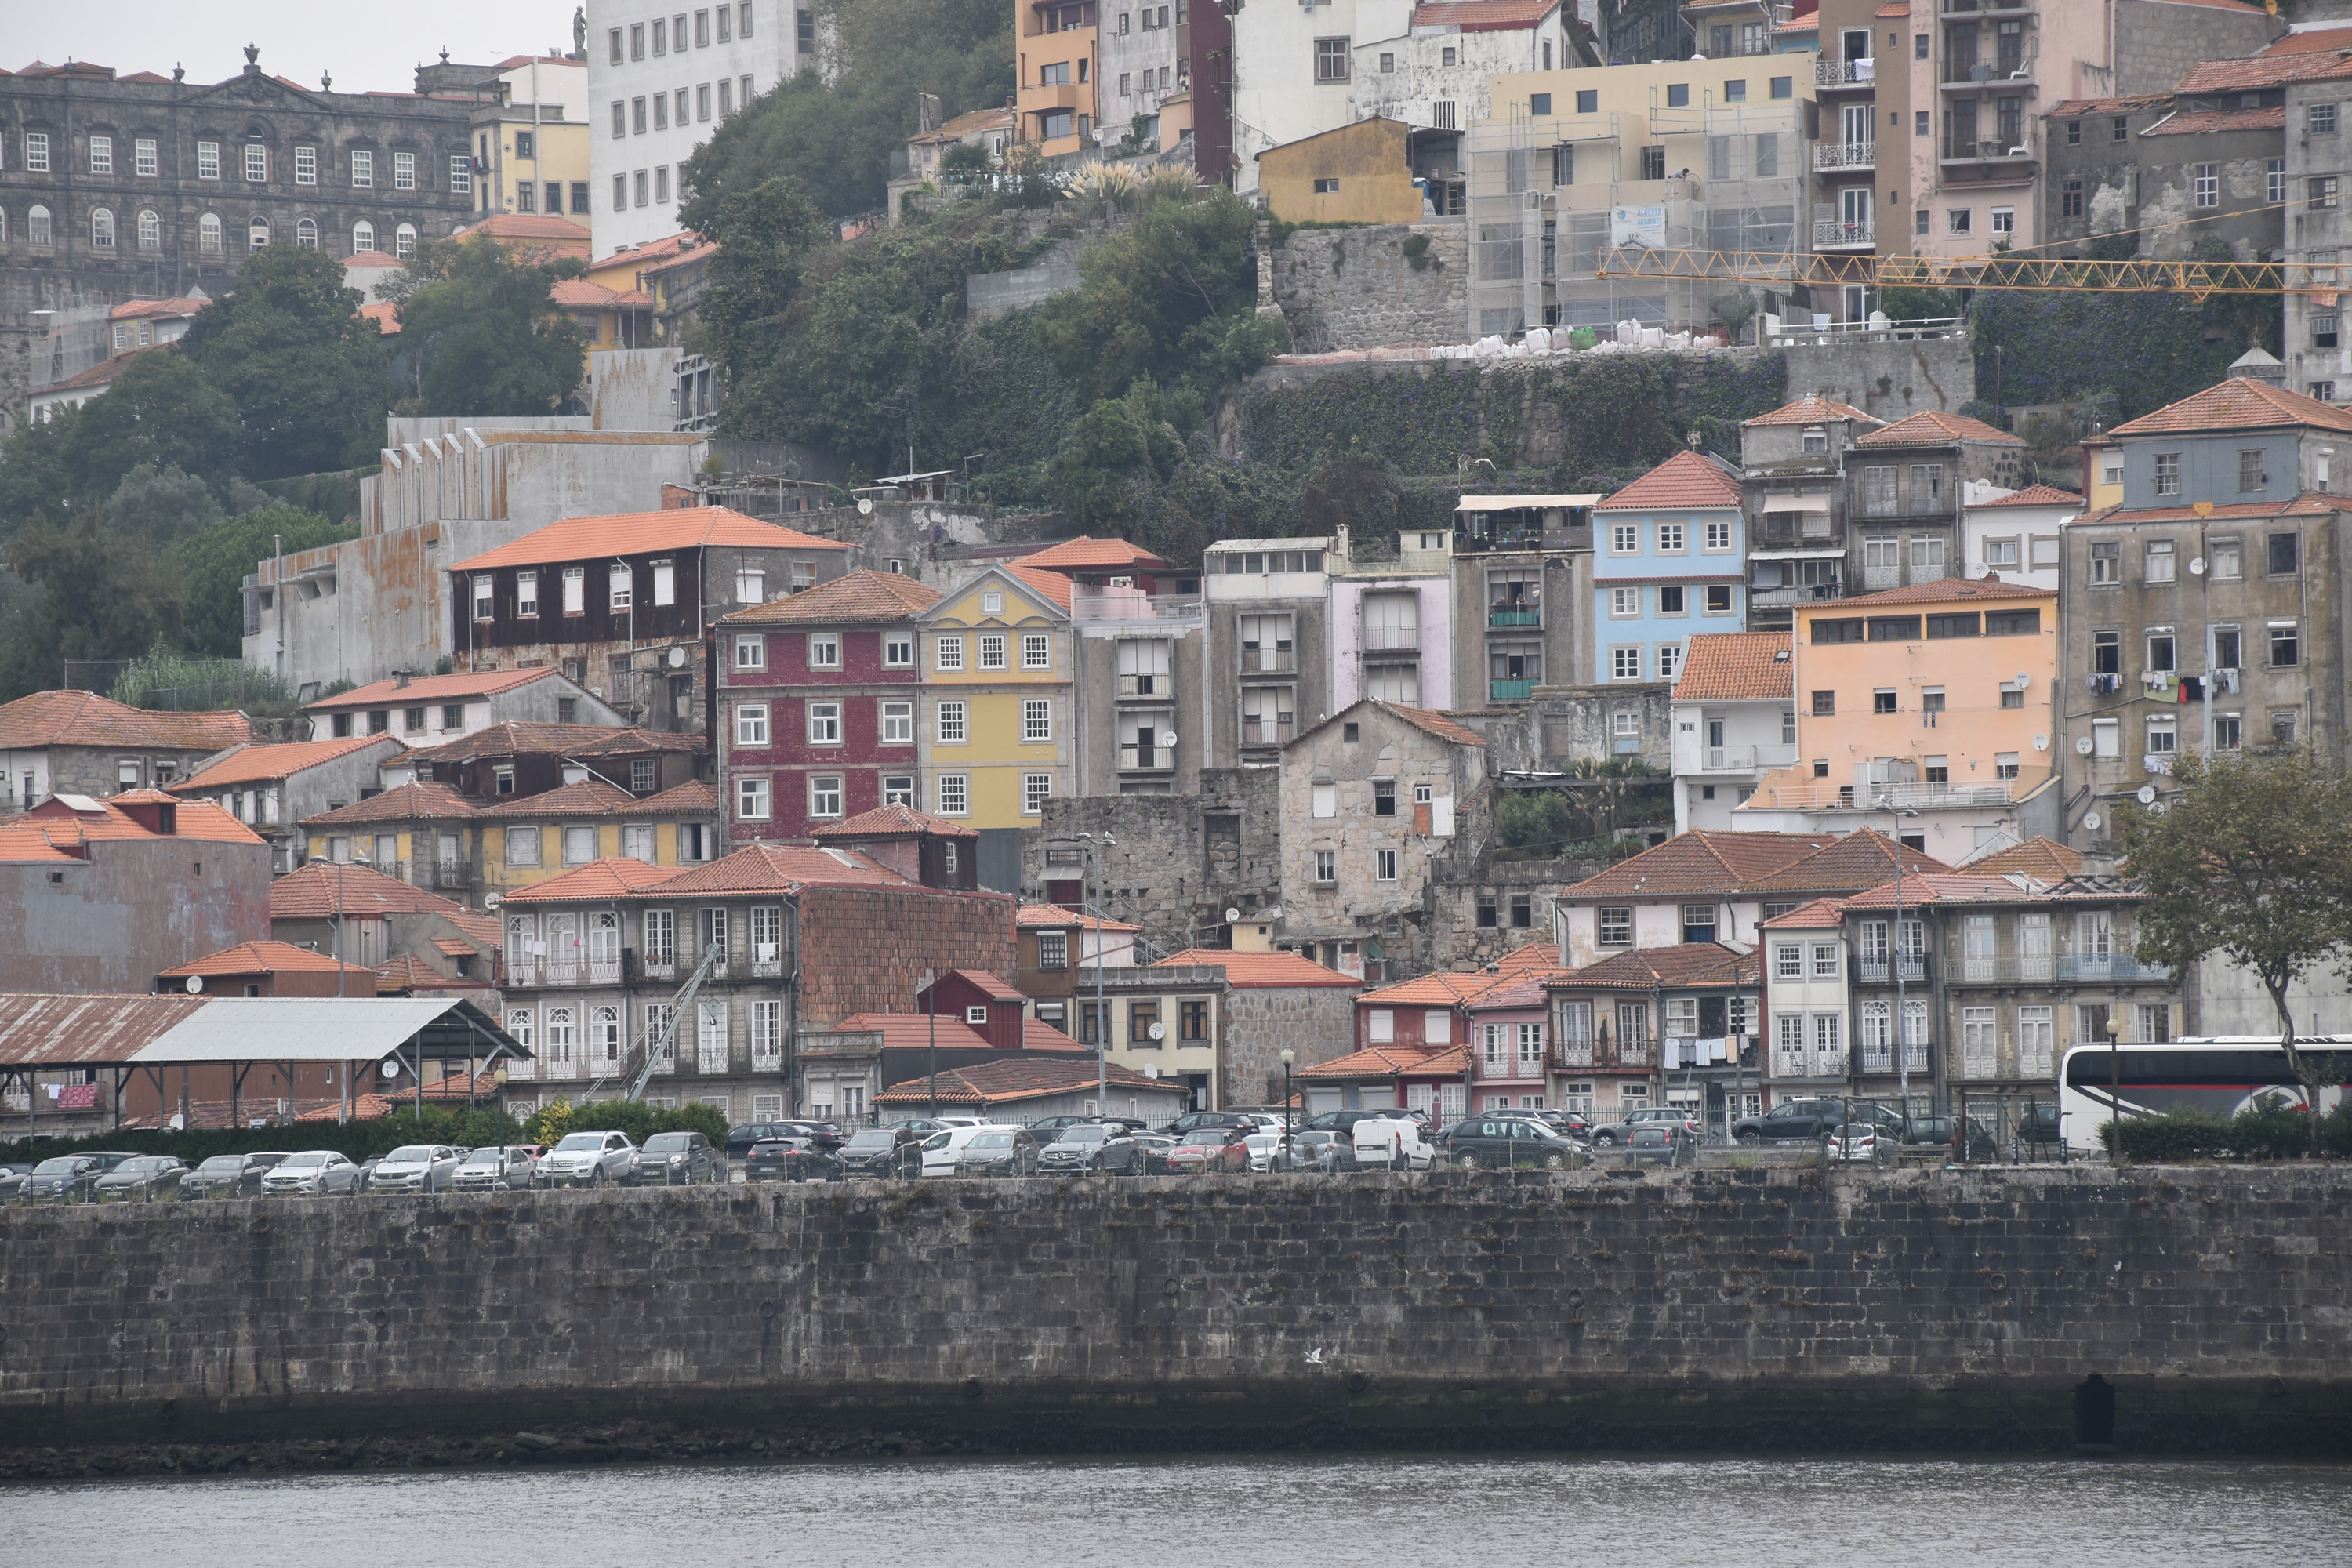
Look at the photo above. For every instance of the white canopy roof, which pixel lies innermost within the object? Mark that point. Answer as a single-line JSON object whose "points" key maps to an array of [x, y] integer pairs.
{"points": [[328, 1029], [1523, 503]]}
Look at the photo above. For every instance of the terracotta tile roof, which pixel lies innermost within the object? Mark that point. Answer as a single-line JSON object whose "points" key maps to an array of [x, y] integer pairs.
{"points": [[642, 533], [262, 958], [2340, 69], [1948, 590], [1052, 917], [1693, 963], [2210, 123], [1953, 887], [1037, 1035], [2308, 504], [1431, 723], [1731, 667], [2076, 108], [385, 314], [311, 892], [692, 799], [782, 868], [861, 597], [2033, 495], [1015, 1078], [529, 225], [1811, 410], [901, 1030], [1894, 8], [1260, 969], [409, 973], [965, 124], [248, 764], [2042, 858], [1821, 914], [1700, 861], [102, 373], [893, 822], [1379, 1061], [516, 738], [372, 1107], [373, 261], [1526, 991], [1484, 16], [57, 823], [2252, 74], [23, 842], [1053, 585], [1687, 479], [451, 947], [666, 249], [589, 797], [427, 690], [85, 719], [1859, 859], [1445, 988], [1084, 554], [607, 879], [402, 802], [154, 309], [2238, 403], [1934, 427], [2312, 40]]}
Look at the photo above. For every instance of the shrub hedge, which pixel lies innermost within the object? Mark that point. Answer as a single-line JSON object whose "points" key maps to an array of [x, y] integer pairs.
{"points": [[2267, 1134]]}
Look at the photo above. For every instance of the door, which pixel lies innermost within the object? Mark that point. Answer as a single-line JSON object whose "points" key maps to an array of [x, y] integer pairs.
{"points": [[1714, 744], [562, 942], [1854, 214], [523, 934], [604, 946], [2033, 947], [1857, 133]]}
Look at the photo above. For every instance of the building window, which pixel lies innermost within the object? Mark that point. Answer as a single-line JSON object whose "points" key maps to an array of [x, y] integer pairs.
{"points": [[1624, 604], [1956, 220], [1825, 704], [522, 847], [1036, 789], [404, 172], [1036, 721], [2167, 473], [305, 165], [101, 229], [2161, 559], [2285, 554], [897, 723], [2320, 194], [1037, 652], [1330, 59], [2286, 644], [824, 796], [2070, 199], [954, 795], [824, 650], [2320, 118], [899, 651], [898, 789], [483, 599], [751, 652], [824, 724], [1384, 865], [1616, 926], [751, 723], [2205, 185], [950, 721], [2227, 735], [2004, 222], [950, 653], [751, 799], [991, 651]]}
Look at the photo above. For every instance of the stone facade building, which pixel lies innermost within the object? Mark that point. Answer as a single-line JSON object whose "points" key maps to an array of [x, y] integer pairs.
{"points": [[269, 788], [1522, 580], [77, 743], [1272, 1002]]}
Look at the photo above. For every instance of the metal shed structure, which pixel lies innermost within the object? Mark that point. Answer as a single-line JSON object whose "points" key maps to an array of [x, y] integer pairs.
{"points": [[41, 1031]]}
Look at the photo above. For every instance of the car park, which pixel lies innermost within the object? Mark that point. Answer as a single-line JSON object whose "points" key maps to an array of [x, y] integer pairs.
{"points": [[496, 1169], [998, 1151], [924, 1124], [587, 1159], [741, 1136], [882, 1152], [1210, 1148], [1265, 1147], [141, 1181], [63, 1179], [678, 1159], [416, 1168], [1315, 1149], [1343, 1120], [1093, 1146], [1196, 1121], [942, 1150], [1499, 1142], [1660, 1143], [1645, 1116], [228, 1177], [791, 1160], [1390, 1142], [1155, 1148], [314, 1173]]}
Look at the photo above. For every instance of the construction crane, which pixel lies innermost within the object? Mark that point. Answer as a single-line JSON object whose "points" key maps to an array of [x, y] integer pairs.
{"points": [[659, 1041], [2196, 279]]}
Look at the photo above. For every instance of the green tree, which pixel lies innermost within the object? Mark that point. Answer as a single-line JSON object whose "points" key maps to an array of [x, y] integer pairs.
{"points": [[483, 333], [2250, 859], [766, 235], [306, 371], [36, 486], [96, 596], [160, 412], [211, 568], [158, 506]]}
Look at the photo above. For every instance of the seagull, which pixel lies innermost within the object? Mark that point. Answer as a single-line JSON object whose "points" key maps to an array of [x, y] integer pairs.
{"points": [[1314, 1356]]}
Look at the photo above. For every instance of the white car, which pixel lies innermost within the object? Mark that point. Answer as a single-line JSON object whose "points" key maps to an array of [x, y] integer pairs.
{"points": [[1391, 1144], [315, 1172], [416, 1168], [943, 1152], [587, 1159], [1263, 1148], [1860, 1142]]}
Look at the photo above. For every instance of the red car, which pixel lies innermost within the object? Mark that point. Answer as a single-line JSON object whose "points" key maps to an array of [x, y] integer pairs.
{"points": [[1210, 1149]]}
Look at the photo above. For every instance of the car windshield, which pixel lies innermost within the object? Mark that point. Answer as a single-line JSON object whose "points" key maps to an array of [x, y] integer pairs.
{"points": [[490, 1156], [1083, 1135], [60, 1166], [223, 1165], [669, 1143], [873, 1137], [581, 1143], [994, 1141], [147, 1164], [303, 1161], [1205, 1137], [409, 1154]]}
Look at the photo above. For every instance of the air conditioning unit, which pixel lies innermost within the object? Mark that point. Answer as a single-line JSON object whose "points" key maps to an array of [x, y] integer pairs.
{"points": [[765, 952]]}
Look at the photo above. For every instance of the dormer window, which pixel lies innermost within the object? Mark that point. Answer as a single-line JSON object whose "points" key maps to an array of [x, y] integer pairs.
{"points": [[976, 1016]]}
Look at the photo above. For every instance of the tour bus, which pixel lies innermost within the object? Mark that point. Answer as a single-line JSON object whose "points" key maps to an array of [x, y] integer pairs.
{"points": [[2224, 1075]]}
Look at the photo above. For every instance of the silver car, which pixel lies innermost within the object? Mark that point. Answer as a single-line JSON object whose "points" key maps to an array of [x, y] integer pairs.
{"points": [[494, 1169], [316, 1172], [416, 1168], [587, 1159]]}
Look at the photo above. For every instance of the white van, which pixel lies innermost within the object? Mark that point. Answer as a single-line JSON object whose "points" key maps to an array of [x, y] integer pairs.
{"points": [[942, 1149], [1390, 1143]]}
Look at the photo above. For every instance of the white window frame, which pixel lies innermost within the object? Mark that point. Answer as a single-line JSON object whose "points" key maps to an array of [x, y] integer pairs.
{"points": [[824, 727], [996, 652], [951, 723], [897, 723], [951, 795], [751, 799], [1037, 652], [825, 795], [751, 651], [1036, 789], [898, 651], [824, 650], [1036, 721], [947, 653], [751, 728]]}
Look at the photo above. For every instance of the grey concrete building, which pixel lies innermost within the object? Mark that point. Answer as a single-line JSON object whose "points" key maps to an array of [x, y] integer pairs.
{"points": [[270, 788], [2177, 167], [1142, 59], [1267, 675], [1522, 573], [1905, 483], [1793, 490], [2318, 178], [1139, 690]]}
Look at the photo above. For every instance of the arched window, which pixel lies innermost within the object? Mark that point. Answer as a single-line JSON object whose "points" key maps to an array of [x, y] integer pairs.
{"points": [[151, 231], [306, 234], [519, 1024], [101, 228], [36, 228], [560, 1037], [605, 1033], [363, 237], [259, 231], [208, 233], [404, 243]]}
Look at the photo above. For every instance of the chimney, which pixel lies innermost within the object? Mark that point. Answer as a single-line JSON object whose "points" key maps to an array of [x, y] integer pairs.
{"points": [[399, 680]]}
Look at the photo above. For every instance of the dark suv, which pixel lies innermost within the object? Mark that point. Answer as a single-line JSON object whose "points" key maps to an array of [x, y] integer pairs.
{"points": [[1810, 1120], [883, 1152]]}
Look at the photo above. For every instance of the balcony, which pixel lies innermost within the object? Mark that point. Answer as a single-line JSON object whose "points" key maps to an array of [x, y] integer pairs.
{"points": [[1828, 157], [1834, 236], [1125, 604], [1881, 972], [1392, 640], [1746, 759], [1822, 795], [2005, 70], [1577, 1055], [1879, 1056], [1267, 732], [1510, 691], [1803, 593], [1831, 75], [2061, 968], [1517, 615], [1134, 757], [1998, 160], [1788, 1065], [1158, 688], [532, 969], [1255, 660]]}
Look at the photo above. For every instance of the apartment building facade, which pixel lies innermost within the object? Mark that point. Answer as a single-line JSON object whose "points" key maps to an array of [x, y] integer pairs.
{"points": [[1793, 490], [1266, 604], [1522, 569], [1669, 563], [1146, 92], [1057, 81], [1906, 482], [1391, 620], [1735, 720]]}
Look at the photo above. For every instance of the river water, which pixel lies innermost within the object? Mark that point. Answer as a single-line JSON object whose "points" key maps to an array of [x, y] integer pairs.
{"points": [[1406, 1510]]}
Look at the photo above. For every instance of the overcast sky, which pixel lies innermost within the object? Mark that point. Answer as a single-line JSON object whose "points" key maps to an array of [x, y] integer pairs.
{"points": [[366, 47]]}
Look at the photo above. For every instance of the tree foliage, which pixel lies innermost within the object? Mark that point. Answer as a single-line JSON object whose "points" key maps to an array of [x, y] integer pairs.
{"points": [[210, 567], [97, 595], [304, 371], [481, 334], [2145, 350], [158, 506], [160, 412]]}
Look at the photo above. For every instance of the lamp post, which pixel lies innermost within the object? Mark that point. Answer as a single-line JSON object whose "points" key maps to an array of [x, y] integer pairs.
{"points": [[1901, 1017], [499, 1077], [358, 857], [1289, 1162], [2115, 1088]]}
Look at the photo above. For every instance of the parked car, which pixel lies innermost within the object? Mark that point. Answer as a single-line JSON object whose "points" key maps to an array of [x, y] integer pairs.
{"points": [[679, 1159], [1809, 1121], [1316, 1148], [882, 1152], [1495, 1142], [1210, 1148], [1265, 1145], [587, 1159], [1857, 1141], [63, 1179], [1645, 1116], [416, 1168], [496, 1169], [1345, 1120], [923, 1123], [228, 1177], [1194, 1121], [1155, 1148], [998, 1151], [141, 1181], [2038, 1132], [942, 1150], [314, 1173], [791, 1160], [1660, 1143], [740, 1138], [1045, 1128], [11, 1180], [1093, 1146], [1390, 1143]]}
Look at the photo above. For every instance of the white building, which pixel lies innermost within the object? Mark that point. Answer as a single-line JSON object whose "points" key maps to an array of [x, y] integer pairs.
{"points": [[657, 85], [1436, 76], [1142, 63], [1734, 720], [2014, 534]]}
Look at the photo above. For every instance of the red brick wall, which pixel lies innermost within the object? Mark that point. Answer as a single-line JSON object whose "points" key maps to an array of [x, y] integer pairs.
{"points": [[863, 950]]}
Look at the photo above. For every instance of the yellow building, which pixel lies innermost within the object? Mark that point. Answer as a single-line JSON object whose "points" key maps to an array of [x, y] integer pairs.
{"points": [[626, 300], [997, 730], [1357, 173], [1054, 98], [2103, 472], [531, 149]]}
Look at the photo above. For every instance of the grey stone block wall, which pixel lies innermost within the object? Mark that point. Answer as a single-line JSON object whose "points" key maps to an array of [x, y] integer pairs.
{"points": [[1357, 289], [1181, 861]]}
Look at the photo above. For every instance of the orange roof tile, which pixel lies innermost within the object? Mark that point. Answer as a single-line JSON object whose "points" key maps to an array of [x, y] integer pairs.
{"points": [[1700, 861], [451, 947], [856, 598], [2308, 504], [1692, 963], [1812, 410], [1820, 915], [263, 957], [2076, 107], [642, 533], [315, 891], [693, 798], [2033, 495], [895, 822], [1431, 723], [1444, 988], [589, 797], [425, 691], [248, 764], [1731, 666], [1015, 1078], [2253, 75], [191, 819], [1859, 859], [385, 314], [154, 309], [85, 719], [1934, 427], [2238, 403], [783, 868], [372, 259], [2042, 859], [1084, 554], [1952, 887], [527, 738], [1684, 479], [1379, 1061], [1948, 590], [2313, 40], [607, 879], [22, 842], [2214, 121], [1037, 1035], [901, 1030], [418, 802], [1038, 579], [1483, 15], [529, 225], [1260, 969], [1053, 915]]}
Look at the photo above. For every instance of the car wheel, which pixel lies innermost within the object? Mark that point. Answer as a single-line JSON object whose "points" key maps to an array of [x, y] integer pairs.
{"points": [[1466, 1162], [1401, 1162], [1604, 1141], [1555, 1160]]}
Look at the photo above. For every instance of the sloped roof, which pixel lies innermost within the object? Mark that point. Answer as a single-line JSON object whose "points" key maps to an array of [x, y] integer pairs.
{"points": [[1085, 554], [1484, 16], [1052, 586], [1431, 723], [1690, 963], [85, 1030], [1377, 1061], [1054, 916], [517, 737], [2312, 40], [902, 1030], [893, 822], [1952, 887], [59, 825], [102, 373], [385, 314], [1687, 479], [263, 958], [2308, 504], [1017, 1079], [1260, 969], [2075, 107], [858, 597], [962, 125], [608, 877], [987, 985], [2042, 859], [85, 719], [695, 795], [1699, 861], [427, 690], [316, 891], [1821, 914], [1812, 410], [2213, 121], [589, 797], [1861, 859], [1932, 427], [529, 225], [2254, 73], [2240, 402], [782, 867], [1447, 988], [402, 802], [642, 533], [248, 764], [1948, 590], [2035, 494], [371, 260], [1731, 666]]}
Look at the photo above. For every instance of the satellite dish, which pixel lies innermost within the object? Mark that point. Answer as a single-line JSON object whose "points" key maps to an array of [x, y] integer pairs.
{"points": [[2147, 795], [195, 984], [1231, 915], [2197, 567], [2090, 821], [2023, 680], [677, 658], [391, 1068], [865, 506], [1167, 738], [1151, 1069], [2082, 745], [2041, 742], [492, 900], [1159, 1031]]}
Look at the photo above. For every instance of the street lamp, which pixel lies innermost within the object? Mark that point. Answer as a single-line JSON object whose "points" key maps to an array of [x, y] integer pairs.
{"points": [[356, 857], [2115, 1088], [1902, 1019], [1288, 1158], [499, 1077]]}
